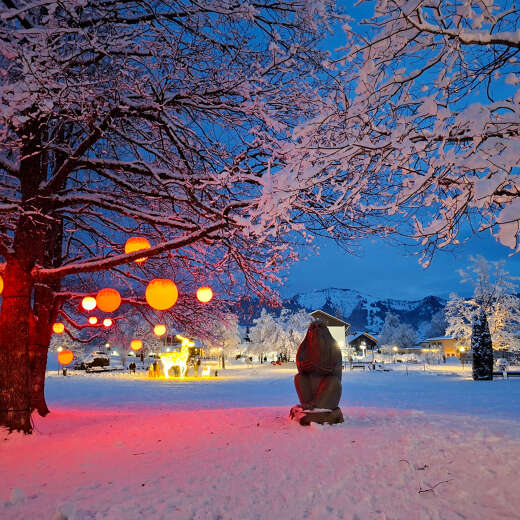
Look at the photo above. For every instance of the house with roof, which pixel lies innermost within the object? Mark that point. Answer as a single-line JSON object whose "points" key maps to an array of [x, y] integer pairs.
{"points": [[447, 345], [362, 341], [338, 328]]}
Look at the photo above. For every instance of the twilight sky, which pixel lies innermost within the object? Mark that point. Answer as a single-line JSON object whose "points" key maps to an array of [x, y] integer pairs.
{"points": [[386, 271]]}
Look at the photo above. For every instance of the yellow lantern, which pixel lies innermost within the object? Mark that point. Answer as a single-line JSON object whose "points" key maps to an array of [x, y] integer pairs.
{"points": [[93, 320], [136, 344], [1, 285], [58, 328], [161, 294], [108, 300], [204, 294], [88, 303], [65, 357], [137, 244], [107, 322], [159, 330]]}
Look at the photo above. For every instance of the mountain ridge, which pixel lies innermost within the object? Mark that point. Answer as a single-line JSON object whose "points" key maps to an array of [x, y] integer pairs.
{"points": [[364, 312]]}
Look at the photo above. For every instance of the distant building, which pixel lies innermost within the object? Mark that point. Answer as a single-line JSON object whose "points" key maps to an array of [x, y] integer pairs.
{"points": [[338, 328], [362, 341], [446, 345]]}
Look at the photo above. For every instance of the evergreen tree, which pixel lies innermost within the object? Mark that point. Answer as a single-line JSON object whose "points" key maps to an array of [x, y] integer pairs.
{"points": [[482, 348]]}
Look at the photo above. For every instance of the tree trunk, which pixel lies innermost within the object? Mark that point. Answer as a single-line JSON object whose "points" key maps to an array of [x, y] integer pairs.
{"points": [[15, 373], [38, 365]]}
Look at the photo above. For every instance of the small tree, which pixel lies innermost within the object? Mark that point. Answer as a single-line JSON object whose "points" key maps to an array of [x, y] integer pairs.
{"points": [[396, 333], [482, 348]]}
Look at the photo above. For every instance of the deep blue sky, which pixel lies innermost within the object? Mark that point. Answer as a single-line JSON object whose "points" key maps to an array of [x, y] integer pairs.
{"points": [[388, 271]]}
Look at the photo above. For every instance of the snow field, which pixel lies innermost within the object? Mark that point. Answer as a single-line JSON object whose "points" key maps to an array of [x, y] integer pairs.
{"points": [[118, 447]]}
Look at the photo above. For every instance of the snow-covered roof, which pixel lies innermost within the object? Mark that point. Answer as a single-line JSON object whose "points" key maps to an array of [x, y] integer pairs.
{"points": [[319, 313], [353, 337], [440, 338]]}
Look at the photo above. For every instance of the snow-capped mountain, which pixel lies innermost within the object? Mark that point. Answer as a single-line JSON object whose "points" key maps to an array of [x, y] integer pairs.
{"points": [[363, 312]]}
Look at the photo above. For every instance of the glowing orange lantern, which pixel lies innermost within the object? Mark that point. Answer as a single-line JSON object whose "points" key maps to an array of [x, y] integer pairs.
{"points": [[58, 328], [136, 344], [65, 357], [108, 300], [107, 322], [161, 294], [1, 285], [137, 244], [204, 294], [159, 330], [88, 303], [93, 320]]}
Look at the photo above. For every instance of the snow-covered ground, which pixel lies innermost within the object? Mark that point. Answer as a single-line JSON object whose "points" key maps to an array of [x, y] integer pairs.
{"points": [[427, 445]]}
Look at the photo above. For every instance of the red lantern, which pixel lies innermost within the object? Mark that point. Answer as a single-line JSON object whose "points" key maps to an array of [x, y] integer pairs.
{"points": [[93, 320], [159, 330], [107, 322], [65, 357], [161, 294], [137, 244], [88, 303], [136, 344], [204, 294], [108, 300], [58, 328]]}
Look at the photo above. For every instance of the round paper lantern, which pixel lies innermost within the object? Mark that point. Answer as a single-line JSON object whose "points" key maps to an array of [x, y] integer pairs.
{"points": [[88, 303], [159, 330], [108, 300], [1, 285], [107, 322], [204, 294], [65, 357], [136, 344], [93, 320], [137, 244], [161, 294], [58, 328]]}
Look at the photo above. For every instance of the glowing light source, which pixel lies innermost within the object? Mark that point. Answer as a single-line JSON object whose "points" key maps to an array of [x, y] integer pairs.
{"points": [[1, 285], [108, 300], [65, 357], [137, 244], [88, 303], [204, 294], [159, 330], [136, 344], [58, 328], [93, 320], [107, 322], [161, 294], [178, 359], [59, 349]]}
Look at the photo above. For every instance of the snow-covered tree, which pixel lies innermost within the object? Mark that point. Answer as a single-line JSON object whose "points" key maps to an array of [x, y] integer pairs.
{"points": [[425, 122], [395, 333], [438, 324], [481, 347], [494, 292], [266, 335], [224, 334], [130, 118]]}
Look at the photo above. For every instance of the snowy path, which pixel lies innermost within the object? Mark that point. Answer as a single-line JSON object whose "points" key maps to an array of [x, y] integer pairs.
{"points": [[120, 448]]}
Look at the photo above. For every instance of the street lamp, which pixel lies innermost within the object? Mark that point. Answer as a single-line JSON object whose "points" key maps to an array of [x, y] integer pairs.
{"points": [[395, 349], [462, 350]]}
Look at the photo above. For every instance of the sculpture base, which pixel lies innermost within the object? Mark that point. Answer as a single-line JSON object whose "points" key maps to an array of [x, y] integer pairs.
{"points": [[305, 417]]}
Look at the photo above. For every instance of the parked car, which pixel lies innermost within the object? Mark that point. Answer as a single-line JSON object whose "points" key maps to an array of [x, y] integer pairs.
{"points": [[98, 358]]}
